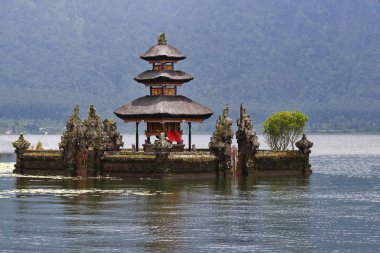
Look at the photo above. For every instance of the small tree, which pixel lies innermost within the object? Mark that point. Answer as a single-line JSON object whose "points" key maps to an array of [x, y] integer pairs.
{"points": [[39, 146], [283, 128]]}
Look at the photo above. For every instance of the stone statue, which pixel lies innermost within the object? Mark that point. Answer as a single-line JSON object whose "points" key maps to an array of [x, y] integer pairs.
{"points": [[247, 141], [162, 39], [115, 139], [21, 144], [161, 148], [221, 139], [162, 144], [304, 145]]}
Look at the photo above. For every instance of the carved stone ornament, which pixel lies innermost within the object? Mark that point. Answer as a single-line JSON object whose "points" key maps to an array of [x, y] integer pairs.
{"points": [[161, 39], [72, 133], [162, 143], [89, 134], [247, 142], [71, 138], [245, 133], [221, 139], [115, 139], [21, 144], [304, 145], [94, 135]]}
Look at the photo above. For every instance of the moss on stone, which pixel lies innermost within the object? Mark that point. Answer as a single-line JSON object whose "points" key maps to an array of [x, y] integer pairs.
{"points": [[192, 157], [278, 154], [129, 156], [44, 153]]}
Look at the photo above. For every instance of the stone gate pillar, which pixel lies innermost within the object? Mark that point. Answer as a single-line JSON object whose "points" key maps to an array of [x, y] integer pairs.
{"points": [[20, 145], [247, 142], [220, 141]]}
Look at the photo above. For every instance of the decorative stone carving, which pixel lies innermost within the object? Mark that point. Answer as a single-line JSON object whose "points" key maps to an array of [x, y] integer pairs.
{"points": [[71, 138], [304, 145], [247, 141], [88, 137], [162, 39], [115, 139], [221, 139], [73, 130], [162, 148], [94, 135], [162, 144], [21, 144]]}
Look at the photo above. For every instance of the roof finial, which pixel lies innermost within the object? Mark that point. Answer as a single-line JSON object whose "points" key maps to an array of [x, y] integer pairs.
{"points": [[162, 39]]}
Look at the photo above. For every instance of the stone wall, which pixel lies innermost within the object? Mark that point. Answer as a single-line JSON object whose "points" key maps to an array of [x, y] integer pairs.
{"points": [[129, 163], [150, 164], [119, 163], [34, 162], [269, 161], [124, 163]]}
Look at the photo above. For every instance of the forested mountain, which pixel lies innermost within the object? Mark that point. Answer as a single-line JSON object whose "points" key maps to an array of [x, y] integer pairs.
{"points": [[318, 56]]}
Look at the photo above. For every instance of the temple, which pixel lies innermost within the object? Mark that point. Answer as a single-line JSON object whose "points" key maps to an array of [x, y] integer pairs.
{"points": [[163, 110], [92, 147]]}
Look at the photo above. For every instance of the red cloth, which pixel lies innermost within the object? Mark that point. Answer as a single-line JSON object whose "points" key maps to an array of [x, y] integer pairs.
{"points": [[174, 136]]}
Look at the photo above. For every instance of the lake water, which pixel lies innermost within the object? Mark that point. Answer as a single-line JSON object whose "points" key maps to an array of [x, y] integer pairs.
{"points": [[336, 209]]}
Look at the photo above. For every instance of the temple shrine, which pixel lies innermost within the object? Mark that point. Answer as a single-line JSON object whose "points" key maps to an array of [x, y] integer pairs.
{"points": [[163, 110], [92, 147]]}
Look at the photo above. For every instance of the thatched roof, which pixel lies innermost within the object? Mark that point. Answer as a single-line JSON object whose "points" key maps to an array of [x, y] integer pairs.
{"points": [[163, 52], [163, 76], [172, 107]]}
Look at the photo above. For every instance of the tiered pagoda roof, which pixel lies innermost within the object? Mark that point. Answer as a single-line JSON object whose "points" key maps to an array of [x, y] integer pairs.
{"points": [[163, 108], [163, 104], [163, 51], [168, 76]]}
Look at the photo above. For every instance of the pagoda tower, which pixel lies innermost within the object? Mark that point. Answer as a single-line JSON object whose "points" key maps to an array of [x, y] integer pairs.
{"points": [[163, 110]]}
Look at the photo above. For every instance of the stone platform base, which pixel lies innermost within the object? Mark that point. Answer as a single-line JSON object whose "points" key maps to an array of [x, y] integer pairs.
{"points": [[126, 163]]}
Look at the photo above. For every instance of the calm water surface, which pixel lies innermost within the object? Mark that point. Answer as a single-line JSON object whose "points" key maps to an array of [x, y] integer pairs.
{"points": [[336, 209]]}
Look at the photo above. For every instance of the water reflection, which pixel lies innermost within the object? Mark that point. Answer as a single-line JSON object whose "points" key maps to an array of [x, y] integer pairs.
{"points": [[335, 209], [164, 215]]}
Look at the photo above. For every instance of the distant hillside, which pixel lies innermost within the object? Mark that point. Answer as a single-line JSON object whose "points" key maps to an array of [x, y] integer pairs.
{"points": [[321, 57]]}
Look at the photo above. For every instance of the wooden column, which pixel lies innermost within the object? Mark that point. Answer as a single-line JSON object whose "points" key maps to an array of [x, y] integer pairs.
{"points": [[189, 135], [137, 136]]}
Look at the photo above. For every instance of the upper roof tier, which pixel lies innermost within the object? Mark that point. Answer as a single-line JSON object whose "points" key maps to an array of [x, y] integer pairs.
{"points": [[163, 51], [168, 76]]}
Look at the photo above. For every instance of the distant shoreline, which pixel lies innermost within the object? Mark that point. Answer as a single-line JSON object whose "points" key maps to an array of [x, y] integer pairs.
{"points": [[324, 143]]}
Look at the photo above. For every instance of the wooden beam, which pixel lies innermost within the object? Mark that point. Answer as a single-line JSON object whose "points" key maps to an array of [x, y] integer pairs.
{"points": [[137, 136], [189, 135], [163, 120], [163, 84], [162, 61]]}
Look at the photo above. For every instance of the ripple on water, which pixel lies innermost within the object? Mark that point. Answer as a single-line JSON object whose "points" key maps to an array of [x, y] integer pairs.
{"points": [[74, 192], [6, 174], [361, 166]]}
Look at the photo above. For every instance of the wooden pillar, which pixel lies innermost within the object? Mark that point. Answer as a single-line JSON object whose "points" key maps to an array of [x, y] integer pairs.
{"points": [[137, 136], [189, 135]]}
